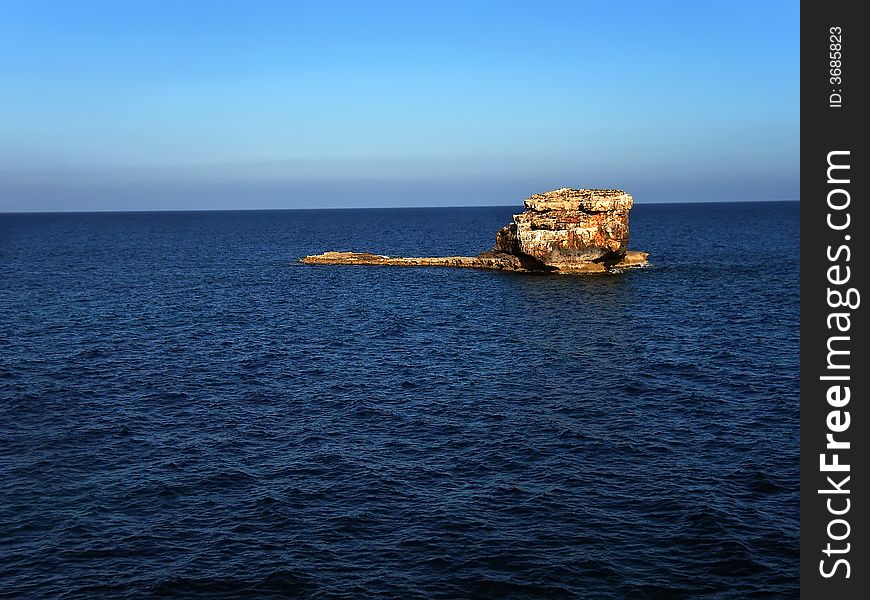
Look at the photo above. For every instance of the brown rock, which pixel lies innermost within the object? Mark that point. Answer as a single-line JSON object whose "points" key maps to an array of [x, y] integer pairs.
{"points": [[566, 230], [567, 227]]}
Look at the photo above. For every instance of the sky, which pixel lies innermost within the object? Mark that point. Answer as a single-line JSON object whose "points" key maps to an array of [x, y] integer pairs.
{"points": [[161, 105]]}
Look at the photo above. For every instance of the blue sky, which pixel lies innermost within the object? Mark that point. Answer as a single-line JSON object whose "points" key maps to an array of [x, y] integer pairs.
{"points": [[266, 104]]}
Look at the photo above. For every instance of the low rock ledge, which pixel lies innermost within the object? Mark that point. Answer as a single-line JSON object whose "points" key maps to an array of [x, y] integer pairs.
{"points": [[489, 260]]}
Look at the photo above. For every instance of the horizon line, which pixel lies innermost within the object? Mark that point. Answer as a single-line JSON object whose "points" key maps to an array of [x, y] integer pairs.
{"points": [[204, 210]]}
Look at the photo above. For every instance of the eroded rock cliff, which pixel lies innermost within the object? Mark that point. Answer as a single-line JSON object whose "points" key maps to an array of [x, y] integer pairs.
{"points": [[568, 228]]}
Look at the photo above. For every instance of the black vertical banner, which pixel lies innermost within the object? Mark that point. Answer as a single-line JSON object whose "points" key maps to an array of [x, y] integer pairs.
{"points": [[835, 368]]}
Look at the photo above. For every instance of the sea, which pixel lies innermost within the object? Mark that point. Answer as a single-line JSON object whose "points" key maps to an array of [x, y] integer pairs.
{"points": [[186, 411]]}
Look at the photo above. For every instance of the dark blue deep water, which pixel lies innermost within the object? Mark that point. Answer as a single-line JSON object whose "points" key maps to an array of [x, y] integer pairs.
{"points": [[186, 411]]}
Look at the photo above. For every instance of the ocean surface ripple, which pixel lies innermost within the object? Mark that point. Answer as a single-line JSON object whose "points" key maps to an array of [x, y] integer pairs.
{"points": [[186, 411]]}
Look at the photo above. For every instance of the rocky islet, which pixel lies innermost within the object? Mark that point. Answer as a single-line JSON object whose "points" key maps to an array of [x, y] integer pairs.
{"points": [[564, 230]]}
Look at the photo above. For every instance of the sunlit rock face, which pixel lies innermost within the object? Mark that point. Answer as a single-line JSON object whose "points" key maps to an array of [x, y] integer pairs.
{"points": [[568, 228]]}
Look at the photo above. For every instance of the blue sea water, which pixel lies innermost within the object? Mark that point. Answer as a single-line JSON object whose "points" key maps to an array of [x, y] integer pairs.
{"points": [[186, 411]]}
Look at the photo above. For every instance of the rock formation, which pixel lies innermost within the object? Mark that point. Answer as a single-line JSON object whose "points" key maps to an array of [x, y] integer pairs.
{"points": [[570, 230], [567, 228]]}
